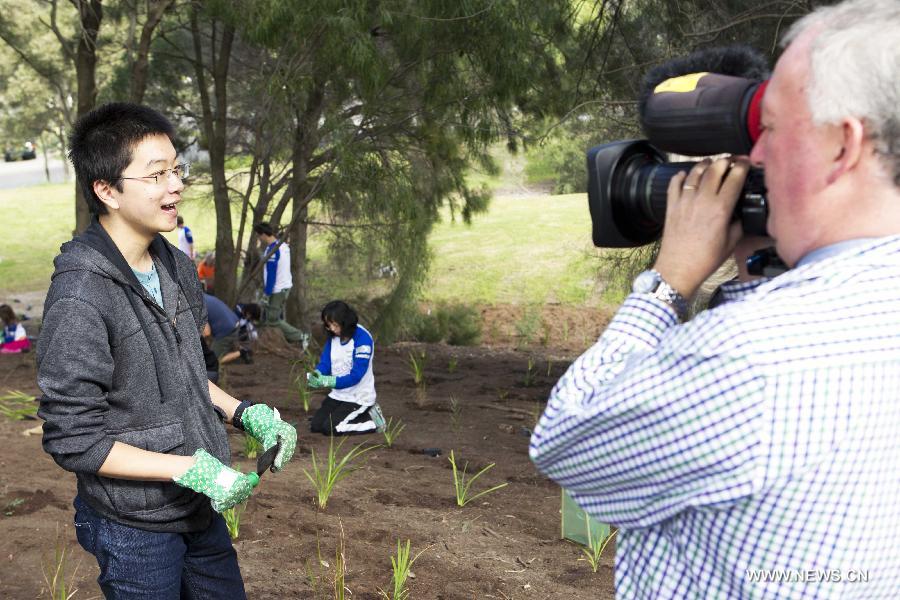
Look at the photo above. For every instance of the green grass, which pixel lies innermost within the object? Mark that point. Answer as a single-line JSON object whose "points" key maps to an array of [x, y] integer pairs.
{"points": [[524, 250], [532, 249]]}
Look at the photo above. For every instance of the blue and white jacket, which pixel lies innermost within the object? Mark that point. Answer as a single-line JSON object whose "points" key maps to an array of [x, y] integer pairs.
{"points": [[351, 363], [277, 275]]}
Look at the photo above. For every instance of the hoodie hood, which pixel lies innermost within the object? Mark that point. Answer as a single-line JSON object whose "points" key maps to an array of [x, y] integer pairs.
{"points": [[95, 251]]}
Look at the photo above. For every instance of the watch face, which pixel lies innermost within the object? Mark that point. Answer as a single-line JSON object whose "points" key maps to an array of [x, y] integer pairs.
{"points": [[646, 282]]}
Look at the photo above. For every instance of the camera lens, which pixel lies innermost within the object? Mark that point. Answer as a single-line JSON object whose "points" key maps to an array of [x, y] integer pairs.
{"points": [[628, 188]]}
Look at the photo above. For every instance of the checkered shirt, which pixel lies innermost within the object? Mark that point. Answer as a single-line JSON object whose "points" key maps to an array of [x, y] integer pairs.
{"points": [[753, 452]]}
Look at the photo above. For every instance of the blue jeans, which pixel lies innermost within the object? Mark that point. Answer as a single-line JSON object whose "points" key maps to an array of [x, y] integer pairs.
{"points": [[138, 564]]}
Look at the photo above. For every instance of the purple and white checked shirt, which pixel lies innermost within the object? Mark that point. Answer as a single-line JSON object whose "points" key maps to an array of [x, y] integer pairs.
{"points": [[753, 452]]}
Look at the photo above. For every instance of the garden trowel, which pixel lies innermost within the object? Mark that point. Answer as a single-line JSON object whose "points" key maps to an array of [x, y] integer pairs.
{"points": [[266, 460]]}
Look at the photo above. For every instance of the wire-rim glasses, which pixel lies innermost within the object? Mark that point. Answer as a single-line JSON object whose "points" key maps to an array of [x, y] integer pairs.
{"points": [[181, 172]]}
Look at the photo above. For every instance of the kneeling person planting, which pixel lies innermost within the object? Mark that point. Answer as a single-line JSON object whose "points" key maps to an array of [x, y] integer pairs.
{"points": [[346, 367]]}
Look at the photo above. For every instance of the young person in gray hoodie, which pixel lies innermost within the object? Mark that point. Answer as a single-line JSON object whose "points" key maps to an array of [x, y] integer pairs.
{"points": [[126, 400]]}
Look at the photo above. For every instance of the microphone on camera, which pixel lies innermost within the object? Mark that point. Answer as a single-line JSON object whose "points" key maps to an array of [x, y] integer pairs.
{"points": [[705, 103]]}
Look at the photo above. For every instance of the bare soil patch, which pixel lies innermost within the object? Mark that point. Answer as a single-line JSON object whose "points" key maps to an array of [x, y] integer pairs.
{"points": [[503, 545]]}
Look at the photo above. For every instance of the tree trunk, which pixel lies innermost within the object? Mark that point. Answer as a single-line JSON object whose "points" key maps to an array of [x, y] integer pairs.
{"points": [[214, 126], [296, 302], [141, 65], [303, 146], [90, 15]]}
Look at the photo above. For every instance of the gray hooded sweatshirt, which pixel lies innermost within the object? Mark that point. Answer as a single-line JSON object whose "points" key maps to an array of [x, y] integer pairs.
{"points": [[115, 366]]}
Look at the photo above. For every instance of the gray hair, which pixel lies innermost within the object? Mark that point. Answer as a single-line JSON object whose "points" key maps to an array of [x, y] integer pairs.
{"points": [[855, 69]]}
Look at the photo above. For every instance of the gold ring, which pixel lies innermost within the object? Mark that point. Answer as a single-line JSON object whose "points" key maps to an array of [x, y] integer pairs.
{"points": [[689, 187]]}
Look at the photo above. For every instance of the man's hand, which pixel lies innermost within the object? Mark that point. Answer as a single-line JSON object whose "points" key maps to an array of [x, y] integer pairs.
{"points": [[266, 426], [698, 235], [317, 380], [224, 486]]}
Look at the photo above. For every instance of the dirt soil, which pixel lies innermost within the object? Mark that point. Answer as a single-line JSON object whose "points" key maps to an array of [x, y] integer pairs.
{"points": [[503, 545]]}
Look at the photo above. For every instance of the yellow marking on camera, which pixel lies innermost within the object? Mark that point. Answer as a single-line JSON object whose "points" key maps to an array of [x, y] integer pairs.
{"points": [[685, 83]]}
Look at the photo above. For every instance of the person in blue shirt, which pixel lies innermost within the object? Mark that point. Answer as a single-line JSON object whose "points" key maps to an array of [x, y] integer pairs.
{"points": [[345, 366], [229, 329]]}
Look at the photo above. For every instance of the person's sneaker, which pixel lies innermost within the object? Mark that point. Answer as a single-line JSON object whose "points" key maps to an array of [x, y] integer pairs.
{"points": [[246, 356], [377, 417]]}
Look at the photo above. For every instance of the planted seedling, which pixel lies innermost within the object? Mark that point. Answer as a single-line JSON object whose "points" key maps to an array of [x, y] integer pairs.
{"points": [[392, 430], [530, 373], [251, 446], [400, 565], [299, 370], [324, 475], [596, 545], [462, 483], [334, 578], [60, 584], [17, 405], [233, 519], [451, 366], [417, 366], [11, 506], [455, 415]]}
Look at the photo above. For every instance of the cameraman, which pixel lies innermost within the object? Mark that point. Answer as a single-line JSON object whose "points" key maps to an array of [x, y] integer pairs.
{"points": [[753, 452]]}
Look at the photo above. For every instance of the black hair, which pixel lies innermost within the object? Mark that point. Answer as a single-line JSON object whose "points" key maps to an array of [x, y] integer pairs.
{"points": [[338, 311], [102, 142], [263, 229], [251, 311], [7, 314]]}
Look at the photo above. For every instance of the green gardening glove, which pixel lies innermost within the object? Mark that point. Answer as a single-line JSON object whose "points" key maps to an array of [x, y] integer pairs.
{"points": [[224, 486], [317, 380], [266, 426]]}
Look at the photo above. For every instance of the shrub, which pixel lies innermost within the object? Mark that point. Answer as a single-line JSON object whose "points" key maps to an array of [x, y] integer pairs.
{"points": [[463, 324], [454, 323]]}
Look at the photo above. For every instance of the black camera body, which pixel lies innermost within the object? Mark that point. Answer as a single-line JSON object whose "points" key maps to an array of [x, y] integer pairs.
{"points": [[704, 104], [627, 192]]}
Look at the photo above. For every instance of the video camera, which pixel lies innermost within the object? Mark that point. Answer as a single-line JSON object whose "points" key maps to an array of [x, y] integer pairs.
{"points": [[704, 104]]}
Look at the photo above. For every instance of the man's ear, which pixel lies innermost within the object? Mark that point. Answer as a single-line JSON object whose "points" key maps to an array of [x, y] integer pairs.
{"points": [[104, 191], [851, 137]]}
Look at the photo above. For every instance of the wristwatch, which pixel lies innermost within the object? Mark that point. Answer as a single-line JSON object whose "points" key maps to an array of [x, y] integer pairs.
{"points": [[651, 282], [238, 413]]}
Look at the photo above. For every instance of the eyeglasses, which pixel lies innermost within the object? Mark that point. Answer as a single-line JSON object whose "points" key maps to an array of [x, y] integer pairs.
{"points": [[181, 172]]}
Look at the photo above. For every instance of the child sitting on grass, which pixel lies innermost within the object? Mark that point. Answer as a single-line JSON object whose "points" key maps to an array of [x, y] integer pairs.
{"points": [[14, 338], [346, 367]]}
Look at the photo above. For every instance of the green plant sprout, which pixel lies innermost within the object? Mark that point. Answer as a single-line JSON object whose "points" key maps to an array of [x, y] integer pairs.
{"points": [[451, 366], [400, 565], [337, 578], [530, 373], [417, 363], [462, 483], [232, 518], [17, 405], [596, 546], [299, 369], [392, 431], [251, 446], [60, 587], [326, 475], [12, 505], [455, 414]]}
